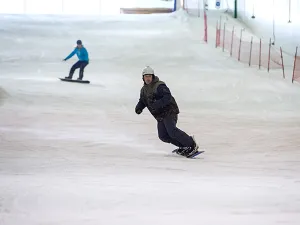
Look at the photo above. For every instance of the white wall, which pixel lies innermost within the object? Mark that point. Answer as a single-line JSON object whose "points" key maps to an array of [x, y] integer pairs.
{"points": [[12, 6], [52, 6], [83, 7], [195, 7], [147, 3]]}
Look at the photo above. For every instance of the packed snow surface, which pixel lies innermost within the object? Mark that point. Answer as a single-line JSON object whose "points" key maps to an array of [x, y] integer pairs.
{"points": [[77, 154]]}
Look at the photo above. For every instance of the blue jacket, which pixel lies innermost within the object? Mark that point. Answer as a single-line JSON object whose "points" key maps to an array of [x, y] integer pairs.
{"points": [[81, 53]]}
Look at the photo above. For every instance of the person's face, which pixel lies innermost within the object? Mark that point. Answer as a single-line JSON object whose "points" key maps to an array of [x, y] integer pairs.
{"points": [[148, 79], [79, 46]]}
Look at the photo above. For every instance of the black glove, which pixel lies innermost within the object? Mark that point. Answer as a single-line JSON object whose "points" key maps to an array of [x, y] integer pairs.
{"points": [[138, 111]]}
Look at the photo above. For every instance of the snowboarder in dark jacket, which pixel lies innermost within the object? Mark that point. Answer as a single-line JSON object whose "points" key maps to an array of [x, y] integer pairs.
{"points": [[156, 96]]}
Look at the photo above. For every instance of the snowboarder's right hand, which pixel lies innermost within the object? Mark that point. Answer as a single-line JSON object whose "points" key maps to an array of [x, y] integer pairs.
{"points": [[64, 60]]}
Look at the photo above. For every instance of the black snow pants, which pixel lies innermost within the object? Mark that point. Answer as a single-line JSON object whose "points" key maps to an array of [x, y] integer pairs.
{"points": [[169, 133], [79, 64]]}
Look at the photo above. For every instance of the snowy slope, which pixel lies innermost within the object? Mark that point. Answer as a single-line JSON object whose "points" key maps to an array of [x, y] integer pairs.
{"points": [[73, 154]]}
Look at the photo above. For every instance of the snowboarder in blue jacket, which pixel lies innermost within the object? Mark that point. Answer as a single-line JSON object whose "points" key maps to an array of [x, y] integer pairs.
{"points": [[83, 61]]}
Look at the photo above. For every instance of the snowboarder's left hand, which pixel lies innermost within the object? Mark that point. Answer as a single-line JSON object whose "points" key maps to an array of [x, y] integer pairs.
{"points": [[138, 111]]}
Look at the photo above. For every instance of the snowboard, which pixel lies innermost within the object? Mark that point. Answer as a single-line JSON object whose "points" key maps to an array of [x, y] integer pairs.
{"points": [[192, 156], [75, 80]]}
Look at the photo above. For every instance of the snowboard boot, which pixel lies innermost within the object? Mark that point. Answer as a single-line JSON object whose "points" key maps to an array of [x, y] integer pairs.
{"points": [[193, 149], [70, 76], [182, 150], [80, 75]]}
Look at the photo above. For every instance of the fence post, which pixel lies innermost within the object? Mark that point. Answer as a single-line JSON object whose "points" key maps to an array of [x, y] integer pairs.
{"points": [[294, 64], [231, 41], [282, 63], [250, 51], [205, 26], [224, 36], [259, 64], [235, 8], [240, 45], [269, 57], [217, 27]]}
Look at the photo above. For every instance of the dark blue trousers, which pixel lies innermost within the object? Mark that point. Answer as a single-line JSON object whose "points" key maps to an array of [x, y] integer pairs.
{"points": [[169, 133], [78, 65]]}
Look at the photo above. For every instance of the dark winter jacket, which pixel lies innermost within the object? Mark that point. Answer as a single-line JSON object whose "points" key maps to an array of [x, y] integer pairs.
{"points": [[157, 97]]}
